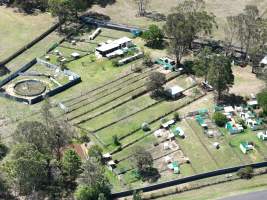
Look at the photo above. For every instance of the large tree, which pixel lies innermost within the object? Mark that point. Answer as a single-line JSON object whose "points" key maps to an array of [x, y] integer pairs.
{"points": [[142, 6], [249, 29], [155, 82], [153, 36], [202, 63], [71, 164], [92, 182], [26, 168], [68, 10], [220, 74], [185, 24], [143, 162]]}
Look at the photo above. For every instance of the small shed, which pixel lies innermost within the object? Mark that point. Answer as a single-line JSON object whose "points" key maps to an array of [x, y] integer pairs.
{"points": [[245, 147], [253, 103], [263, 62], [175, 167], [168, 124], [229, 109], [262, 135], [177, 131], [174, 92], [234, 128], [201, 121], [75, 55]]}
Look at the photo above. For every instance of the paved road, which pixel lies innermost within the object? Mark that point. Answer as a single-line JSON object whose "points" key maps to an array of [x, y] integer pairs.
{"points": [[262, 195]]}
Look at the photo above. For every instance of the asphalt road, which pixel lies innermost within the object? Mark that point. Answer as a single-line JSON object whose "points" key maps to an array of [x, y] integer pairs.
{"points": [[262, 195]]}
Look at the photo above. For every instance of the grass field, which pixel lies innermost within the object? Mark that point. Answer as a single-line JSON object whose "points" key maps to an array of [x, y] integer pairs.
{"points": [[17, 29], [222, 190], [103, 104], [125, 11]]}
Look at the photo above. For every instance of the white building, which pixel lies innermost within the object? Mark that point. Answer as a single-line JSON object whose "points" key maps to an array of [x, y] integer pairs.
{"points": [[174, 92], [108, 48]]}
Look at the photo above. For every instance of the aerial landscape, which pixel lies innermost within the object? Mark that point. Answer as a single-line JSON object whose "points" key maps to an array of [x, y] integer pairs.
{"points": [[133, 99]]}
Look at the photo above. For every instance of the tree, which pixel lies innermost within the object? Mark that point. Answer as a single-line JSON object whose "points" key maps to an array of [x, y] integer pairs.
{"points": [[116, 140], [84, 192], [93, 177], [153, 36], [202, 64], [262, 99], [156, 82], [143, 161], [245, 173], [67, 10], [147, 60], [25, 168], [3, 150], [189, 21], [32, 132], [96, 151], [71, 164], [142, 5], [250, 30], [220, 74], [137, 195], [220, 119]]}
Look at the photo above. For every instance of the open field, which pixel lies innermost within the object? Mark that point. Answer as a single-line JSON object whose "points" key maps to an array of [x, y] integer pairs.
{"points": [[243, 79], [122, 11]]}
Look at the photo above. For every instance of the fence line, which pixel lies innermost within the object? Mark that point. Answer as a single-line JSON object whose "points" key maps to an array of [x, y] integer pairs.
{"points": [[30, 44], [188, 179]]}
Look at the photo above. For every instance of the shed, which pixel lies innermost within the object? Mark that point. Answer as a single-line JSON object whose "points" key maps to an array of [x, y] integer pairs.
{"points": [[234, 128], [168, 124], [262, 135], [201, 121], [229, 109], [177, 131], [263, 62], [105, 49], [245, 147], [75, 55], [174, 92], [175, 167], [253, 103]]}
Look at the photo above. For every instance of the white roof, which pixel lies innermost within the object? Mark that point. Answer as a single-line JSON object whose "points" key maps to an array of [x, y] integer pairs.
{"points": [[228, 109], [107, 155], [264, 61], [75, 54], [175, 89], [252, 102], [113, 44]]}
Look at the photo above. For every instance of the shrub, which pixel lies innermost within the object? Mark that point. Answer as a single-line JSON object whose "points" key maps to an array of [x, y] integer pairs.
{"points": [[145, 127], [176, 117], [220, 119], [3, 151], [243, 123], [116, 140], [245, 173], [84, 138], [115, 62], [262, 99]]}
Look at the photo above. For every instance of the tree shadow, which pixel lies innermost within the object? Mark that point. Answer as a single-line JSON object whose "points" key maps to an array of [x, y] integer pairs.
{"points": [[4, 70], [232, 99], [151, 175], [155, 16], [97, 15], [104, 3]]}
